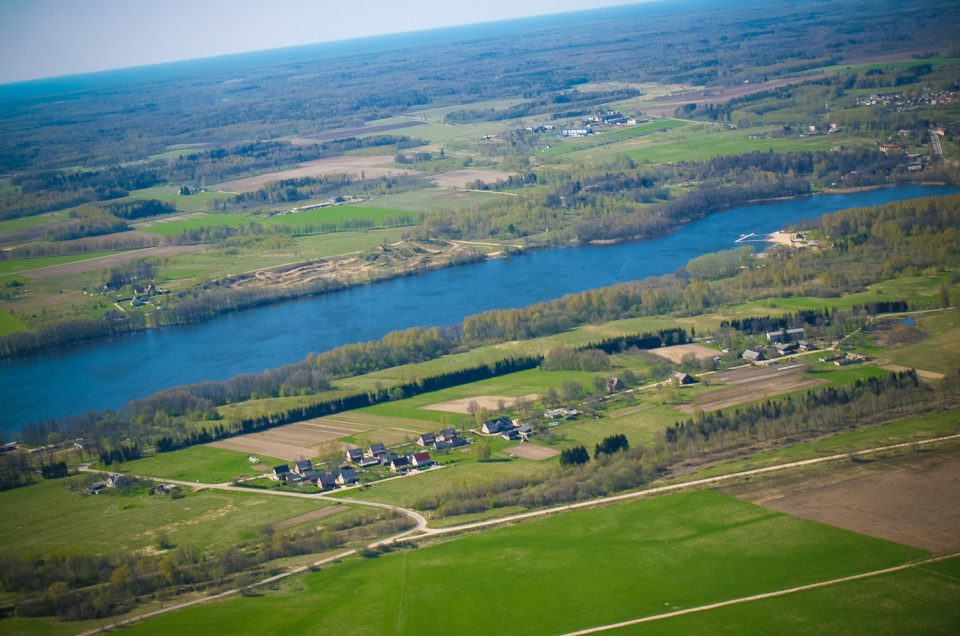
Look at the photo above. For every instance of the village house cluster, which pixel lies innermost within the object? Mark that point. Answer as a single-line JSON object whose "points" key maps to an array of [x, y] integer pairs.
{"points": [[783, 342]]}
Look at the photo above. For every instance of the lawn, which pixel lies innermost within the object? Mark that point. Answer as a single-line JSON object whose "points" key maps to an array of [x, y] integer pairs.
{"points": [[196, 202], [606, 136], [583, 568], [48, 516], [204, 464], [923, 600]]}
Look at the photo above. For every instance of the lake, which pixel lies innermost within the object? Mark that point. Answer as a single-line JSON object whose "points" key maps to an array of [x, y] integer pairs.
{"points": [[110, 373]]}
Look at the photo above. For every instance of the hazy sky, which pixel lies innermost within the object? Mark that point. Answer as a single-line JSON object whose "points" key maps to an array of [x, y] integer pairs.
{"points": [[43, 38]]}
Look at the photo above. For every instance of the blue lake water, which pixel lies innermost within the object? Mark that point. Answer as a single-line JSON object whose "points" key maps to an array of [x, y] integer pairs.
{"points": [[109, 374]]}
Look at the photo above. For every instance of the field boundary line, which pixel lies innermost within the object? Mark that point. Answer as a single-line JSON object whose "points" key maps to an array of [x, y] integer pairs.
{"points": [[758, 597]]}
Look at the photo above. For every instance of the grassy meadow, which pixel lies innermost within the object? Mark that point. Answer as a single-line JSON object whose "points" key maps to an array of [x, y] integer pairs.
{"points": [[204, 464], [584, 568]]}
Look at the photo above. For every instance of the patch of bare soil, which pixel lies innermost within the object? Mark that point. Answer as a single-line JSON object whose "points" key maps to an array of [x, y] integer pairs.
{"points": [[489, 402], [752, 383], [358, 167], [461, 178], [676, 352], [290, 442], [912, 499], [531, 451], [315, 515], [403, 256], [666, 105]]}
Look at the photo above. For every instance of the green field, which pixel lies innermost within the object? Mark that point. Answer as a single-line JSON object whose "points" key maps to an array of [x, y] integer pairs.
{"points": [[606, 137], [584, 568], [940, 350], [336, 214], [48, 516], [9, 323], [29, 222], [698, 142], [205, 464], [922, 600], [27, 264], [196, 202]]}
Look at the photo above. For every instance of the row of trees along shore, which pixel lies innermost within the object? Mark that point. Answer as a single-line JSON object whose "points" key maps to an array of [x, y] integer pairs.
{"points": [[864, 246]]}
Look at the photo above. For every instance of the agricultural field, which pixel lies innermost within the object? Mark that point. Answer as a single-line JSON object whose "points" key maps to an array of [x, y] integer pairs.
{"points": [[658, 555], [203, 464], [48, 516]]}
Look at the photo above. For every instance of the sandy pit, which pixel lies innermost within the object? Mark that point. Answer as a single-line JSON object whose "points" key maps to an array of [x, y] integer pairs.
{"points": [[752, 383], [531, 451]]}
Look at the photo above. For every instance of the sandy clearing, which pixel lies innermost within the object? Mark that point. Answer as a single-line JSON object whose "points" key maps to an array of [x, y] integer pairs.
{"points": [[460, 178], [314, 515], [369, 167], [253, 444], [676, 352], [489, 402], [93, 264], [290, 442], [528, 450], [913, 499]]}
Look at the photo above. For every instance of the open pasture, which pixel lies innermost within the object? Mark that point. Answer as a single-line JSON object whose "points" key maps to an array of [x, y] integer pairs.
{"points": [[47, 516], [205, 464], [461, 178], [576, 570]]}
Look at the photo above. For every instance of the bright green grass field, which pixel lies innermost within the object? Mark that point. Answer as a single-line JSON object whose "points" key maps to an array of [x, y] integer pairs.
{"points": [[923, 600], [196, 202], [204, 464], [47, 516], [9, 323], [579, 569], [694, 143]]}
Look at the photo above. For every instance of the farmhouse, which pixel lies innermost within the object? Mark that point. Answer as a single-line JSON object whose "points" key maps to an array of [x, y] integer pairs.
{"points": [[376, 450], [526, 432], [806, 345], [427, 439], [682, 378], [783, 348], [753, 356], [327, 480], [354, 455], [347, 475], [510, 434], [400, 464], [302, 466], [421, 459], [280, 473], [785, 335], [497, 425], [564, 412]]}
